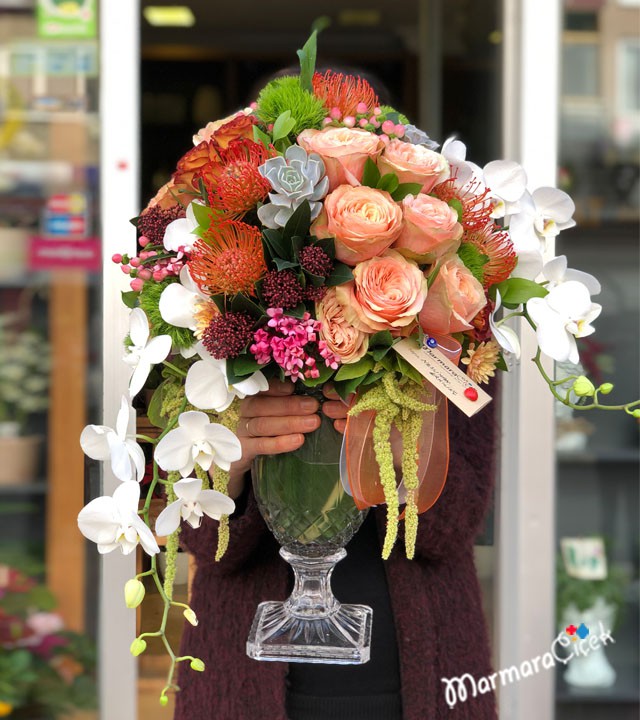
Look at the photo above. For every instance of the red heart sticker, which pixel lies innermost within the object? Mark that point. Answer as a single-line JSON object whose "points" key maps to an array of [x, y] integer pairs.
{"points": [[471, 394]]}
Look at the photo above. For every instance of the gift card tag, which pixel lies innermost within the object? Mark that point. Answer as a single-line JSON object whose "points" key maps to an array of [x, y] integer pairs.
{"points": [[445, 375], [584, 558]]}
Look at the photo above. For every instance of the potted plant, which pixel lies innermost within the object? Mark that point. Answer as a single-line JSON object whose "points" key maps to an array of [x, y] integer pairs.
{"points": [[45, 671], [592, 602], [25, 363]]}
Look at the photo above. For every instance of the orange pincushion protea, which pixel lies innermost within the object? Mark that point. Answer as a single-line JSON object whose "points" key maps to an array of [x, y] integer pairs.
{"points": [[344, 92], [240, 185], [476, 208], [229, 259], [498, 246]]}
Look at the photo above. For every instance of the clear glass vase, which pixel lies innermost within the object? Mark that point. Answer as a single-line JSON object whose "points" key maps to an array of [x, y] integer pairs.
{"points": [[302, 500]]}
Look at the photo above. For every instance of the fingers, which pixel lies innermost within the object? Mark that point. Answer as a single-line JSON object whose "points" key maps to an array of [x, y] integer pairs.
{"points": [[265, 405], [335, 409], [278, 388], [267, 426], [251, 447], [340, 425]]}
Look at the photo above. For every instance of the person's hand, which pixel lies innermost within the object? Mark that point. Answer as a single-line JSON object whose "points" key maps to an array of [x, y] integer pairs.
{"points": [[275, 421]]}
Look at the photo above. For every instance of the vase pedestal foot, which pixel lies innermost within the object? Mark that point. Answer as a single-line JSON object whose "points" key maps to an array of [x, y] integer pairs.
{"points": [[342, 637]]}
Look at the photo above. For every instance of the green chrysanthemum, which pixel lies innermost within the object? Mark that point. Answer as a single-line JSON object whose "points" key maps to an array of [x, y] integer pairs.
{"points": [[286, 94], [474, 260]]}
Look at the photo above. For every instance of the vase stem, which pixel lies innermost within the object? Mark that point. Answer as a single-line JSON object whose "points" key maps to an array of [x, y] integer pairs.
{"points": [[312, 595]]}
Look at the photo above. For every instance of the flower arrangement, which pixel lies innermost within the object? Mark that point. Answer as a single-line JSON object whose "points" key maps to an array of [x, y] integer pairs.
{"points": [[307, 238], [24, 376], [44, 669]]}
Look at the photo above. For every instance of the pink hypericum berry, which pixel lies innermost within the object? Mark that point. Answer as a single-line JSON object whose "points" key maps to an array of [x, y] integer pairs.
{"points": [[125, 269], [388, 127], [377, 111], [335, 113], [135, 262], [363, 122], [349, 121], [327, 121], [116, 258], [374, 121], [361, 108], [145, 274], [399, 131], [137, 284]]}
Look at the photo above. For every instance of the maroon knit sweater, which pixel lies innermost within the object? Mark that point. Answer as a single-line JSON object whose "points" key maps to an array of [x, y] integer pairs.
{"points": [[435, 599]]}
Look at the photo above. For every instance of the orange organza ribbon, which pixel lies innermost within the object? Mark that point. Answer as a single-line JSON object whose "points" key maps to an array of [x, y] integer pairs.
{"points": [[359, 460]]}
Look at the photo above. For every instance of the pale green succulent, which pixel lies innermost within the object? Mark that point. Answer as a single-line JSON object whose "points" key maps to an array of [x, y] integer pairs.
{"points": [[296, 177]]}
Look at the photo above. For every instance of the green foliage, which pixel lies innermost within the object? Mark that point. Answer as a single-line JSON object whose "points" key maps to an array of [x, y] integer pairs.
{"points": [[474, 260], [149, 302], [392, 114], [307, 54], [286, 94], [516, 291], [584, 593]]}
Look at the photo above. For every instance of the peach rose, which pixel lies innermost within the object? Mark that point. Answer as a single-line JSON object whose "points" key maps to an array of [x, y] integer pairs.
{"points": [[344, 152], [363, 221], [343, 339], [430, 230], [165, 198], [191, 165], [414, 164], [387, 293], [454, 299]]}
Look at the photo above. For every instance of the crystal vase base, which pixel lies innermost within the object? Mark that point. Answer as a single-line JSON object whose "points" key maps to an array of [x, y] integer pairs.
{"points": [[311, 626]]}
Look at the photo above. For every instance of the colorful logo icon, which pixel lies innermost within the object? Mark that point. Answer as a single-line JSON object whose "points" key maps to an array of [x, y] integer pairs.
{"points": [[577, 632]]}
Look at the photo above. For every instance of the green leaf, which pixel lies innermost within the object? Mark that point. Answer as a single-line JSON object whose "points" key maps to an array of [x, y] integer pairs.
{"points": [[516, 291], [328, 245], [241, 303], [284, 264], [371, 175], [283, 125], [316, 280], [350, 386], [220, 302], [378, 353], [307, 56], [244, 365], [155, 406], [388, 182], [457, 206], [202, 214], [340, 274], [130, 298], [373, 377], [325, 374], [501, 364], [298, 311], [381, 339], [282, 145], [409, 371], [277, 246], [299, 223], [404, 189], [356, 369], [260, 136]]}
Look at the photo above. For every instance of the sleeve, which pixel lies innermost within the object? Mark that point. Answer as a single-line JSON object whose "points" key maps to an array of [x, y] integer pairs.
{"points": [[247, 531], [452, 524]]}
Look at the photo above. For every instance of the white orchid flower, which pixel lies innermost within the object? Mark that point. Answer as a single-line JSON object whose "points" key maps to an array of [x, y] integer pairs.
{"points": [[193, 502], [455, 153], [113, 522], [507, 182], [197, 441], [100, 442], [562, 316], [143, 353], [179, 301], [207, 387], [178, 236], [505, 336], [556, 272]]}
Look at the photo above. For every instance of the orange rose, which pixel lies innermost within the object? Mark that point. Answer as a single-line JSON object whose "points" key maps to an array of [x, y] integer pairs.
{"points": [[343, 339], [165, 198], [211, 128], [386, 293], [191, 165], [414, 164], [430, 230], [363, 221], [454, 299], [344, 152], [239, 127]]}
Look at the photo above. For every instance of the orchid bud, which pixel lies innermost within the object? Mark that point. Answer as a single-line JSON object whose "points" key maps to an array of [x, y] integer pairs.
{"points": [[605, 388], [583, 387], [164, 700], [197, 664], [636, 413], [133, 593], [191, 616], [138, 646]]}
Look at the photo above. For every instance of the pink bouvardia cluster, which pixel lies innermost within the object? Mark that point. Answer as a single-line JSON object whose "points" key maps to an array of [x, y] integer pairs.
{"points": [[293, 344]]}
